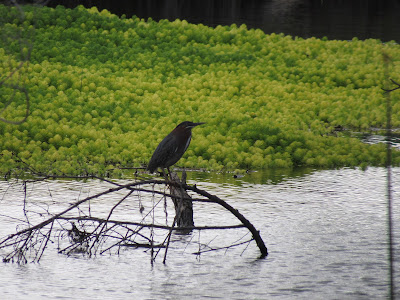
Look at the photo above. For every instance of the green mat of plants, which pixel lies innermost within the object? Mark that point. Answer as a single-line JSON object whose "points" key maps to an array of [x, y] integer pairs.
{"points": [[104, 90]]}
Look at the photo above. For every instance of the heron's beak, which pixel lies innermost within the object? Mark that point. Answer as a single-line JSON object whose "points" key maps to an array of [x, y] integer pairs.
{"points": [[197, 124]]}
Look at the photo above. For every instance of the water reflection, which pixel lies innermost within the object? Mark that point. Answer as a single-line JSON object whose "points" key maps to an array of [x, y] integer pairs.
{"points": [[269, 176], [325, 231], [375, 138]]}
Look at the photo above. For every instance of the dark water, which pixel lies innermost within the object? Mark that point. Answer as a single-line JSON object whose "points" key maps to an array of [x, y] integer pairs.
{"points": [[379, 19], [326, 232]]}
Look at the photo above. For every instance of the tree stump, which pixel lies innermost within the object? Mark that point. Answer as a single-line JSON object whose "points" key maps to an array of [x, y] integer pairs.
{"points": [[182, 201]]}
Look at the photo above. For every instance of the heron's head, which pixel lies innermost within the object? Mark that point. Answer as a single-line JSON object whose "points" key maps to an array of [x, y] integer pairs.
{"points": [[188, 125]]}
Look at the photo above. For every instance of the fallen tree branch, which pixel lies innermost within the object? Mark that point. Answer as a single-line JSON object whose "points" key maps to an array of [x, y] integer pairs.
{"points": [[91, 234], [101, 220]]}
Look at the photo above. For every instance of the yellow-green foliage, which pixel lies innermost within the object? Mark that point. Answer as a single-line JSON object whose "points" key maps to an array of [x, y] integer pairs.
{"points": [[105, 90]]}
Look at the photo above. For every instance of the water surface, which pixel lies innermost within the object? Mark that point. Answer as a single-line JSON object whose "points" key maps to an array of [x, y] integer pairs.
{"points": [[325, 232]]}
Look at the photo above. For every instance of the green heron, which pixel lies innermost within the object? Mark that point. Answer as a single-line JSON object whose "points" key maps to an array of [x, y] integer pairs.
{"points": [[172, 147]]}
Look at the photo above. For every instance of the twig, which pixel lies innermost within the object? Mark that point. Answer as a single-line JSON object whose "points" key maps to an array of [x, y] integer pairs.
{"points": [[108, 217], [48, 221], [47, 240], [221, 248], [391, 90]]}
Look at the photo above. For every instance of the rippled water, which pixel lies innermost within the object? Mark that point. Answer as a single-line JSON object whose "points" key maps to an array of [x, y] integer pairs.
{"points": [[325, 232]]}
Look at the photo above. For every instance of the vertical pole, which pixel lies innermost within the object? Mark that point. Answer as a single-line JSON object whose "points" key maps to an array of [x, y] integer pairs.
{"points": [[386, 59]]}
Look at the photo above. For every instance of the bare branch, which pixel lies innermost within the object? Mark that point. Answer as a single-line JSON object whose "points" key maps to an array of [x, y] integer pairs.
{"points": [[91, 234], [222, 248]]}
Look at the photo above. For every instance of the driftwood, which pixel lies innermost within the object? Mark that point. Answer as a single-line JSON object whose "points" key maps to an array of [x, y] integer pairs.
{"points": [[77, 230]]}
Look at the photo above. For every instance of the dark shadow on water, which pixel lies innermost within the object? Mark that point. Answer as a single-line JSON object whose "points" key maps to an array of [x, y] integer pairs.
{"points": [[313, 18]]}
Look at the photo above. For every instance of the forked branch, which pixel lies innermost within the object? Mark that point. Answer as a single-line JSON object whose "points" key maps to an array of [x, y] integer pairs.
{"points": [[77, 229]]}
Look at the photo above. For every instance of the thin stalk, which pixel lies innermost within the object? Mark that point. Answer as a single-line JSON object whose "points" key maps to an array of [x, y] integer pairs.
{"points": [[387, 60]]}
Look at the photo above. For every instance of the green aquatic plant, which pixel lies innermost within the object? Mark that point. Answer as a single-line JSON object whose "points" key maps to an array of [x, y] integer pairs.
{"points": [[105, 90]]}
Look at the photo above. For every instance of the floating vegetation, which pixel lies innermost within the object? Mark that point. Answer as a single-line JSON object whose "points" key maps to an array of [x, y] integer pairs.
{"points": [[105, 90]]}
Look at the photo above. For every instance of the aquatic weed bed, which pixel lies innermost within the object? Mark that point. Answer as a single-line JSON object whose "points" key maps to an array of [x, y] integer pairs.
{"points": [[104, 90]]}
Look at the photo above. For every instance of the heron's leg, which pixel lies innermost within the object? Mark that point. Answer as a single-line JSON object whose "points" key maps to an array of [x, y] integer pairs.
{"points": [[169, 173], [165, 175]]}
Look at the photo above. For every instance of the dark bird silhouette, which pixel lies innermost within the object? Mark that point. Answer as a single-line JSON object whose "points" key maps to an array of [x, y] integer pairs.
{"points": [[172, 147]]}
